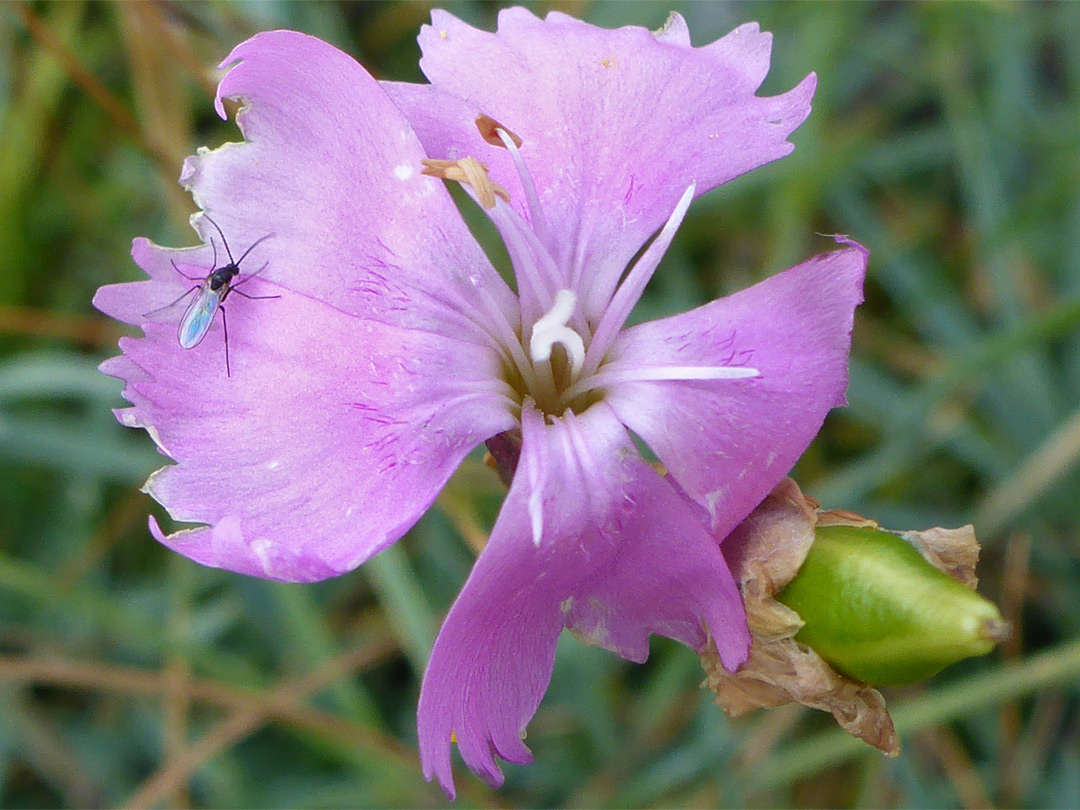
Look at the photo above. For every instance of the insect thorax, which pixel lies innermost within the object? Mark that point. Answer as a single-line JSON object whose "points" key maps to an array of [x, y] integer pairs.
{"points": [[222, 276]]}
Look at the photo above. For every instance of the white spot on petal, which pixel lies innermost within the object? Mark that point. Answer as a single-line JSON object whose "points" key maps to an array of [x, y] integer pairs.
{"points": [[712, 500], [263, 549], [536, 514], [273, 465], [403, 172]]}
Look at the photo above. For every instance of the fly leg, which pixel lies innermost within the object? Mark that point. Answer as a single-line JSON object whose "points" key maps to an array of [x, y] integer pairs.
{"points": [[247, 278], [185, 275], [225, 326], [254, 297], [177, 301]]}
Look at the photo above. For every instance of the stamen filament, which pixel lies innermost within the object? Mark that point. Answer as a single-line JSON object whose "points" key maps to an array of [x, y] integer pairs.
{"points": [[508, 340], [614, 373], [536, 213], [624, 299], [546, 393], [533, 265]]}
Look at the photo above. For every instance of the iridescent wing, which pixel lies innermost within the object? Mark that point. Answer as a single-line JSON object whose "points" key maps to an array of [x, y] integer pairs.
{"points": [[198, 316]]}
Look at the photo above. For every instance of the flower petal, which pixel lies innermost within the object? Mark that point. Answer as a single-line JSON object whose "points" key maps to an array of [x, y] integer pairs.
{"points": [[331, 168], [590, 537], [729, 442], [137, 302], [669, 578], [616, 124], [329, 440]]}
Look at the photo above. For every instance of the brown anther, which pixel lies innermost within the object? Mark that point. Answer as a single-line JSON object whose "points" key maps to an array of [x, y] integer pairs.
{"points": [[488, 126], [443, 169], [468, 171]]}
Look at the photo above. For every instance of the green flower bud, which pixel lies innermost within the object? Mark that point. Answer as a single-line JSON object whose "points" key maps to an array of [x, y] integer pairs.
{"points": [[878, 612]]}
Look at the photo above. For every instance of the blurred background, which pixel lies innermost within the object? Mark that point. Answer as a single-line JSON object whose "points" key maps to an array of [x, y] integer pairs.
{"points": [[945, 137]]}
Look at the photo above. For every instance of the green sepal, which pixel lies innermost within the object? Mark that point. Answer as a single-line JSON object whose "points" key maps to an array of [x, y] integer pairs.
{"points": [[880, 613]]}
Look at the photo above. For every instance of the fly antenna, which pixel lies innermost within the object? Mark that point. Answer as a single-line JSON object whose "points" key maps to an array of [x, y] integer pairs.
{"points": [[223, 241], [253, 244]]}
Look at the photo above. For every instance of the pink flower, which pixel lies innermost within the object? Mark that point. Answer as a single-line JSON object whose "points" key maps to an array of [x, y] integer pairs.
{"points": [[395, 348]]}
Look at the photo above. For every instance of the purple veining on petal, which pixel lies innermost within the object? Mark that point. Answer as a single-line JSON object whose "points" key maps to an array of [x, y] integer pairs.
{"points": [[387, 243], [729, 443], [282, 445], [605, 518], [395, 348], [594, 108]]}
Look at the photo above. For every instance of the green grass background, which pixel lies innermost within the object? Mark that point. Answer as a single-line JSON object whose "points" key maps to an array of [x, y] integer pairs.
{"points": [[946, 137]]}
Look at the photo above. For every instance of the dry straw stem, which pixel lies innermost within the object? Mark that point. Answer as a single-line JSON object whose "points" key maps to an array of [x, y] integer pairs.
{"points": [[87, 330], [947, 752], [1052, 460], [248, 709], [112, 106]]}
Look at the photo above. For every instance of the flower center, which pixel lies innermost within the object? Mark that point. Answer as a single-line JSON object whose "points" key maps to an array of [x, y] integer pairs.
{"points": [[556, 372], [555, 354]]}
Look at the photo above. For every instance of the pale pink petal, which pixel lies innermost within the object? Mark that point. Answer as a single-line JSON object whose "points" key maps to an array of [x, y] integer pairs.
{"points": [[669, 579], [331, 168], [728, 442], [137, 302], [331, 437], [676, 32], [616, 124], [590, 537]]}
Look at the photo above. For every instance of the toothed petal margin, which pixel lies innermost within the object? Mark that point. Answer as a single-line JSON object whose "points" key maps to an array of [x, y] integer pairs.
{"points": [[620, 556]]}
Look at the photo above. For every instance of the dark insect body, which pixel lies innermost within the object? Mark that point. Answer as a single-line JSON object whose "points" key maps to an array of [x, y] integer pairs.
{"points": [[211, 292]]}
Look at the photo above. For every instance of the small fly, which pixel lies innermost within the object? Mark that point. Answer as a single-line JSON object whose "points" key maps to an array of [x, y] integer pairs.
{"points": [[211, 294]]}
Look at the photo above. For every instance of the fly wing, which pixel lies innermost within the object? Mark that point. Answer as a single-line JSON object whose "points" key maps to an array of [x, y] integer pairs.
{"points": [[198, 317]]}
